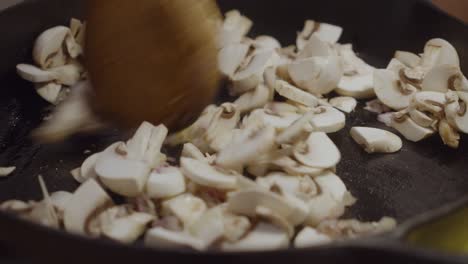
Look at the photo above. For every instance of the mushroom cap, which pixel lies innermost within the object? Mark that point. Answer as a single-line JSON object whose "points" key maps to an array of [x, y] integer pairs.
{"points": [[34, 74], [318, 151], [234, 28], [165, 182], [295, 94], [245, 202], [251, 144], [186, 207], [376, 140], [87, 170], [409, 59], [315, 47], [457, 114], [328, 119], [209, 227], [359, 86], [439, 51], [50, 42], [121, 175], [231, 57], [438, 78], [204, 174], [388, 89], [318, 75], [49, 91], [86, 200], [411, 130], [344, 103]]}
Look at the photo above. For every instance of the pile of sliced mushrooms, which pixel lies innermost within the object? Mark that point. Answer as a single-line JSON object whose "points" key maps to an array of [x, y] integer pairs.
{"points": [[258, 173]]}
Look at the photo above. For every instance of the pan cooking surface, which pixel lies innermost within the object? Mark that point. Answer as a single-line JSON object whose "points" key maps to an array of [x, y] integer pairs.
{"points": [[421, 177]]}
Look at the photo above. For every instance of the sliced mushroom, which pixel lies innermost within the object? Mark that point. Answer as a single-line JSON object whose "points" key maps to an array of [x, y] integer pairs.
{"points": [[438, 52], [438, 78], [376, 140], [245, 202], [48, 49], [357, 80], [302, 187], [328, 119], [231, 56], [60, 201], [220, 131], [34, 74], [359, 86], [191, 151], [268, 215], [6, 171], [129, 228], [68, 74], [234, 28], [421, 118], [318, 151], [449, 135], [297, 129], [391, 90], [325, 32], [251, 144], [146, 144], [162, 238], [194, 131], [376, 106], [456, 112], [266, 43], [235, 227], [318, 75], [87, 170], [165, 182], [343, 103], [253, 99], [119, 173], [186, 207], [260, 117], [432, 102], [262, 238], [251, 75], [310, 237], [209, 227], [49, 91], [409, 129], [332, 200], [86, 201], [315, 47], [295, 94], [293, 167], [407, 58], [204, 174]]}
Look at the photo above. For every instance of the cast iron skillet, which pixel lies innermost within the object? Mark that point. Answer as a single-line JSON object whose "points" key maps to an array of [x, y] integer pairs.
{"points": [[420, 178]]}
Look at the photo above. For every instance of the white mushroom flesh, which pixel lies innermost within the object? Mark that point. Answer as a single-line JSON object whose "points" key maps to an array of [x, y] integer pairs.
{"points": [[375, 140]]}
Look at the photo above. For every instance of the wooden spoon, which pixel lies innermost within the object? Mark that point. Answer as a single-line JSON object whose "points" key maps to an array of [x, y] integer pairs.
{"points": [[152, 60]]}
